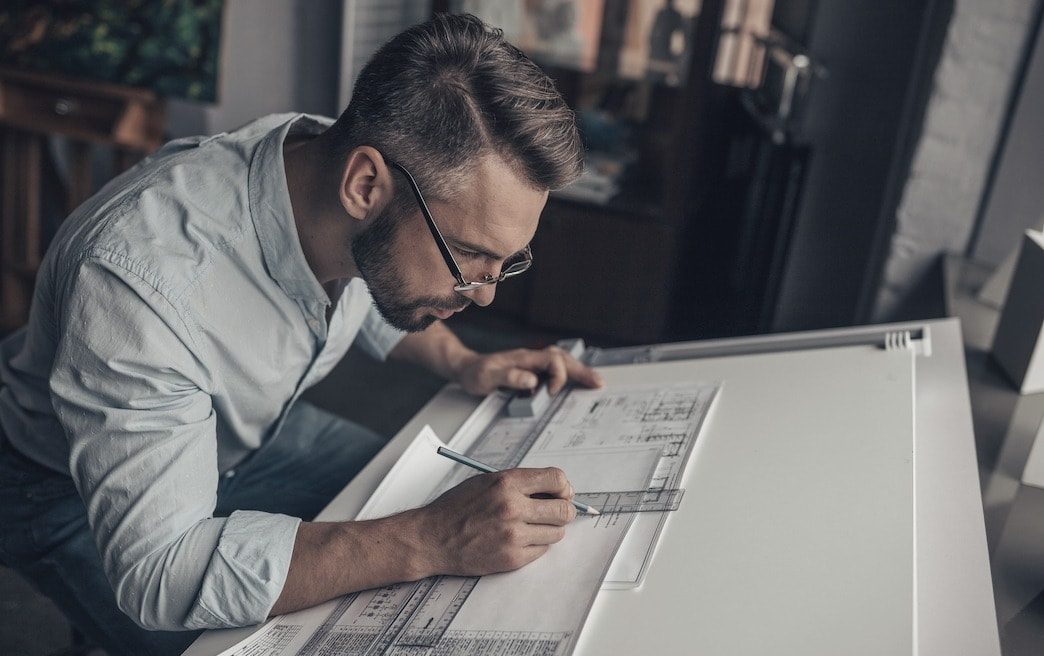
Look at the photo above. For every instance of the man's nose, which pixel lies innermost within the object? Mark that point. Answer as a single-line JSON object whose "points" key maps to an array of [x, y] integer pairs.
{"points": [[482, 295]]}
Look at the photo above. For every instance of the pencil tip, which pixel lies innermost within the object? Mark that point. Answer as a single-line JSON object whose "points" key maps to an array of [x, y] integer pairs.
{"points": [[593, 511]]}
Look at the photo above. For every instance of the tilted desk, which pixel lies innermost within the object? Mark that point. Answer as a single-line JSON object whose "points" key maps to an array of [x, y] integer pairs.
{"points": [[953, 599]]}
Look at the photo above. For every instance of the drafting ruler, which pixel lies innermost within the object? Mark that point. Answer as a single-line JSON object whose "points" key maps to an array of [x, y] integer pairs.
{"points": [[633, 500], [416, 618]]}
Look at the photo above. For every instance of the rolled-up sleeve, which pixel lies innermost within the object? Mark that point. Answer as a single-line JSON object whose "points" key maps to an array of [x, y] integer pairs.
{"points": [[130, 392]]}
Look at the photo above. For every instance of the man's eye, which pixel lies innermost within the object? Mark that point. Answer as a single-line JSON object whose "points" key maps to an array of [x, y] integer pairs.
{"points": [[466, 253]]}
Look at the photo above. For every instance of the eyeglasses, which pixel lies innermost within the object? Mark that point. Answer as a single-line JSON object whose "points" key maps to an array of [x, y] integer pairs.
{"points": [[513, 266]]}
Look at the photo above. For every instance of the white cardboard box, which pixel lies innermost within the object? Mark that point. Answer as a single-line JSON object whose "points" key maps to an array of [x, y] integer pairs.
{"points": [[1018, 345], [1033, 473]]}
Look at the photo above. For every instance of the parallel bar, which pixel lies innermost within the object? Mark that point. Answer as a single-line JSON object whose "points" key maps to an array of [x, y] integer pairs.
{"points": [[721, 348]]}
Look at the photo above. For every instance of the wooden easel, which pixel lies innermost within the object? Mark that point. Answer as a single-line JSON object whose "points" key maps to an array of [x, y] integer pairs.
{"points": [[33, 107]]}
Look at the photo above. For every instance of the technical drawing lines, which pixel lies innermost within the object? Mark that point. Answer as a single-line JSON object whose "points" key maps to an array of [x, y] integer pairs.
{"points": [[275, 639], [320, 635], [502, 643], [671, 406]]}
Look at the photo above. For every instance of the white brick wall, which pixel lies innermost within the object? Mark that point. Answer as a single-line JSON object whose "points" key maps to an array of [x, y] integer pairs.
{"points": [[984, 45]]}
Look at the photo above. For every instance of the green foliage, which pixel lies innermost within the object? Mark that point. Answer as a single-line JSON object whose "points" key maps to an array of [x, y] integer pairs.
{"points": [[170, 46]]}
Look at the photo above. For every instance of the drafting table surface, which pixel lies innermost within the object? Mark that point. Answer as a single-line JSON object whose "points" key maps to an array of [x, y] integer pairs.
{"points": [[954, 608]]}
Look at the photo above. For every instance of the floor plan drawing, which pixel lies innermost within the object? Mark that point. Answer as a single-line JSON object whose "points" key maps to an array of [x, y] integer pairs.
{"points": [[625, 447]]}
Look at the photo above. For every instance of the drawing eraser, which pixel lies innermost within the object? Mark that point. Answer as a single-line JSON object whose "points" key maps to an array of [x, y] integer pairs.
{"points": [[530, 403]]}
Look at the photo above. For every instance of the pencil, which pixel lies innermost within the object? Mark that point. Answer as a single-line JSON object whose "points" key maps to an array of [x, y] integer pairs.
{"points": [[482, 467]]}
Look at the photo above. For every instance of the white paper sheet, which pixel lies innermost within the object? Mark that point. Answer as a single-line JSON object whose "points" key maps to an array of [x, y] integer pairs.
{"points": [[628, 438], [542, 605], [412, 480], [668, 416], [553, 593]]}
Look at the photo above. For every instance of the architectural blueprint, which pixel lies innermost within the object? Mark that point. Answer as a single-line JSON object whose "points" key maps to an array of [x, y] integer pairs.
{"points": [[628, 439], [666, 416]]}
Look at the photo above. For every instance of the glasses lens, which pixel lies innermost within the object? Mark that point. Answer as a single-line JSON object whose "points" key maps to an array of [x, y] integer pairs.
{"points": [[517, 264], [512, 267], [515, 269]]}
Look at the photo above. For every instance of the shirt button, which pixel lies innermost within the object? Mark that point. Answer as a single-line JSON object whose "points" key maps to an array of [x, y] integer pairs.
{"points": [[230, 473], [313, 324]]}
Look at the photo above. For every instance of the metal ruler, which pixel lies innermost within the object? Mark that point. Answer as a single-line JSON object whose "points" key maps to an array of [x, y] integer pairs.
{"points": [[633, 500]]}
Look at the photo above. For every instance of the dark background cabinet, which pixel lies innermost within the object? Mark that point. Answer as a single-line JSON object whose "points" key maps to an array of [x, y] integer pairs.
{"points": [[603, 272], [736, 223], [610, 270]]}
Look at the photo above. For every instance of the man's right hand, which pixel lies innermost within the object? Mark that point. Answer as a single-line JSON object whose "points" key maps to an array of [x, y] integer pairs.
{"points": [[491, 522]]}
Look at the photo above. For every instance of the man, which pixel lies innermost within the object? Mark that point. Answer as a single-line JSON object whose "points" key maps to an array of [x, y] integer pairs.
{"points": [[155, 459]]}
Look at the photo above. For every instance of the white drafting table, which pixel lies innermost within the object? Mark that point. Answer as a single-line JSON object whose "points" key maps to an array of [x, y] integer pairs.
{"points": [[954, 607]]}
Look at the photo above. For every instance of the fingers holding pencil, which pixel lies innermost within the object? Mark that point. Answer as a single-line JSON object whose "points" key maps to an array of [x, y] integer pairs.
{"points": [[550, 481], [490, 523]]}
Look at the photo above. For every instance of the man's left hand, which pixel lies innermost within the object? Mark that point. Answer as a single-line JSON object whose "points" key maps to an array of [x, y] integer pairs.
{"points": [[519, 369]]}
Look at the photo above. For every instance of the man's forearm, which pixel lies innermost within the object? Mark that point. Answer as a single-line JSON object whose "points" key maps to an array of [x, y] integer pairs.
{"points": [[435, 348], [331, 559], [488, 523]]}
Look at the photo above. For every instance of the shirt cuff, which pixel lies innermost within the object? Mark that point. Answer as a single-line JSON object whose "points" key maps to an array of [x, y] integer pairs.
{"points": [[246, 572]]}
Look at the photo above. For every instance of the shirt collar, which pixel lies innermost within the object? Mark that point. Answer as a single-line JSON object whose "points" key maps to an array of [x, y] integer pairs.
{"points": [[273, 215]]}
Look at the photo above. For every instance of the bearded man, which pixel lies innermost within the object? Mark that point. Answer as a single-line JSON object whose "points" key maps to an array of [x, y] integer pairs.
{"points": [[157, 467]]}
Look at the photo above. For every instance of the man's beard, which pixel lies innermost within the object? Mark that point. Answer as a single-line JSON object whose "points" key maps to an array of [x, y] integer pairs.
{"points": [[373, 253]]}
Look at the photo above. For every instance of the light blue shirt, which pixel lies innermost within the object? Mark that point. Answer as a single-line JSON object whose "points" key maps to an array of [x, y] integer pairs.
{"points": [[175, 321]]}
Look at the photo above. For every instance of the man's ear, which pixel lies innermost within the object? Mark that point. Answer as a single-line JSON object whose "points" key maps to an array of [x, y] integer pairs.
{"points": [[366, 183]]}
